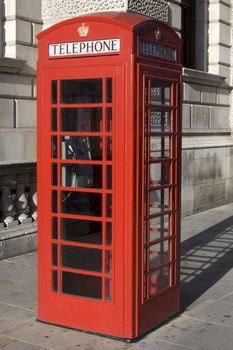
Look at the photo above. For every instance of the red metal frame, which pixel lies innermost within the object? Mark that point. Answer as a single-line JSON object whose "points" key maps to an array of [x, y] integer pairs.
{"points": [[128, 313], [169, 295]]}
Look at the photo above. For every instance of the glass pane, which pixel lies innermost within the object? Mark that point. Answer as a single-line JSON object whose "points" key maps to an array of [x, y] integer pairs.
{"points": [[145, 283], [54, 119], [108, 261], [54, 147], [82, 258], [109, 90], [82, 203], [82, 285], [81, 119], [81, 175], [159, 254], [108, 289], [109, 206], [109, 177], [54, 174], [82, 147], [159, 147], [159, 121], [54, 228], [54, 91], [81, 91], [158, 280], [54, 201], [160, 92], [54, 254], [109, 233], [145, 260], [109, 119], [159, 201], [82, 231], [109, 148], [54, 281], [146, 91], [159, 227], [159, 173]]}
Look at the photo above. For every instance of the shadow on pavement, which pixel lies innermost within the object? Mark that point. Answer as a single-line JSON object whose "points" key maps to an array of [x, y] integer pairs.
{"points": [[205, 259]]}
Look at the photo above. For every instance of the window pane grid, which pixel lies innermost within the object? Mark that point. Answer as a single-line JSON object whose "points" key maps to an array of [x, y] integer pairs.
{"points": [[84, 272], [102, 246], [158, 188], [62, 276], [167, 264]]}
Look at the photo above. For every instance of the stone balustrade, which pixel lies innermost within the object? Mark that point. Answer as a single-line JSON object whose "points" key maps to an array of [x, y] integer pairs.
{"points": [[18, 197]]}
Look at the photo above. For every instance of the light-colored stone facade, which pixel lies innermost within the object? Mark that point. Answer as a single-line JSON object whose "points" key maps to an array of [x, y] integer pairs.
{"points": [[207, 173], [207, 176], [21, 21]]}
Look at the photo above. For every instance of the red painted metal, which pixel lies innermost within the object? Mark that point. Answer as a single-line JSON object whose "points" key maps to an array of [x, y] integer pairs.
{"points": [[125, 285]]}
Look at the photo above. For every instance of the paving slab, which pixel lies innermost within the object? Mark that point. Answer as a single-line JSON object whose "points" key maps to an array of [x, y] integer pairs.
{"points": [[19, 288], [216, 311], [194, 334], [60, 338], [229, 298], [206, 286], [152, 344], [199, 294], [4, 341], [12, 344], [13, 316]]}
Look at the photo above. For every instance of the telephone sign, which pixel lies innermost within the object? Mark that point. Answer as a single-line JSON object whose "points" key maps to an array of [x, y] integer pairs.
{"points": [[107, 46], [109, 155], [156, 50]]}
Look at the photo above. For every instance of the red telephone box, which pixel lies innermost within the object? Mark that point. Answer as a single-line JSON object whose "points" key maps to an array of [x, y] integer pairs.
{"points": [[109, 152]]}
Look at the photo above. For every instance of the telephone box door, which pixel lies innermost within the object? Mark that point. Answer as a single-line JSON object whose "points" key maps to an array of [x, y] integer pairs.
{"points": [[160, 118], [80, 265]]}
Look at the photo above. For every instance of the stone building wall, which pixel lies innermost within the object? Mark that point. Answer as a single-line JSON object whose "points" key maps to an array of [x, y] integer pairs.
{"points": [[207, 172], [219, 38], [207, 175], [21, 21]]}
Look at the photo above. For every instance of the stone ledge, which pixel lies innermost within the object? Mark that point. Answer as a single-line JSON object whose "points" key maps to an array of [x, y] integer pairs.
{"points": [[203, 78], [22, 18], [17, 231], [205, 132], [8, 167], [11, 65], [20, 240], [192, 141]]}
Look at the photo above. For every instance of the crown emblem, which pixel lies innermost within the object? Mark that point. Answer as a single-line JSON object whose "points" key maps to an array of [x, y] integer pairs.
{"points": [[158, 34], [83, 30]]}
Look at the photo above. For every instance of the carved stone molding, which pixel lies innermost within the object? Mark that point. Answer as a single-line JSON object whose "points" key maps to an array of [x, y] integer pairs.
{"points": [[58, 9], [52, 9], [18, 202], [153, 8]]}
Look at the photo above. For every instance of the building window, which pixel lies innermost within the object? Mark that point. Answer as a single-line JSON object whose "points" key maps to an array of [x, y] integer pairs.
{"points": [[185, 9], [188, 32], [2, 14]]}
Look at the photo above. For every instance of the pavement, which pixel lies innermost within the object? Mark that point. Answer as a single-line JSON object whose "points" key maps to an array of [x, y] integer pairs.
{"points": [[206, 321]]}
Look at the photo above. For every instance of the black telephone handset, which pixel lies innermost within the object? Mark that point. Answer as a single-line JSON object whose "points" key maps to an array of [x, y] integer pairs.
{"points": [[79, 148]]}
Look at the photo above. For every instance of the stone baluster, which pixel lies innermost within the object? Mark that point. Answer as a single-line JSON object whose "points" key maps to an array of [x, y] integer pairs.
{"points": [[7, 207], [33, 197], [21, 200]]}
